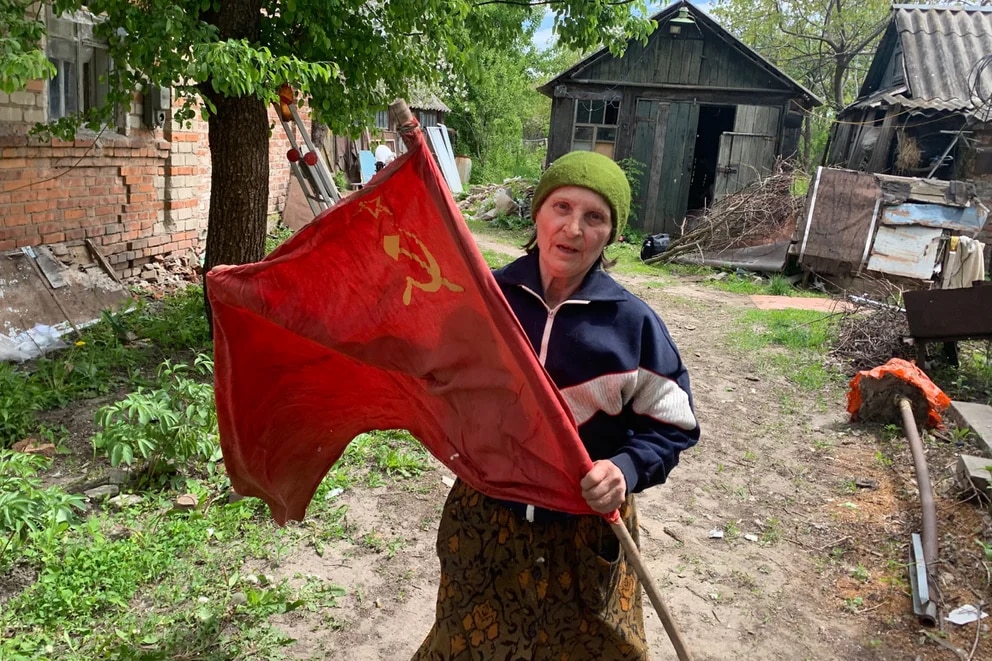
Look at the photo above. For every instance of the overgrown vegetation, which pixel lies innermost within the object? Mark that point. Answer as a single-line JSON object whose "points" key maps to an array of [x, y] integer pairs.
{"points": [[121, 349]]}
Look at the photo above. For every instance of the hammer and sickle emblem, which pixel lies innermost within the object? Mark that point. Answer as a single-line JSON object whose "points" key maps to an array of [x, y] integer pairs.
{"points": [[391, 244]]}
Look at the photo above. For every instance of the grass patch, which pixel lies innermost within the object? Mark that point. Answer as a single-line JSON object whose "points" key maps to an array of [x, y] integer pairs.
{"points": [[628, 260], [793, 343], [516, 237], [496, 259], [121, 349], [154, 582]]}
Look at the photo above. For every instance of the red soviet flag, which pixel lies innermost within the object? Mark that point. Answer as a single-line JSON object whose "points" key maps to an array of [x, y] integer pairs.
{"points": [[381, 314]]}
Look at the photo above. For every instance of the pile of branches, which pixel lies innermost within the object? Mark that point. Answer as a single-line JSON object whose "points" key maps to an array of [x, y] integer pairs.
{"points": [[763, 209], [869, 336]]}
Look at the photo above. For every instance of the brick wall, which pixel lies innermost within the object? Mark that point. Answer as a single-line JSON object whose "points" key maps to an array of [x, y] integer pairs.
{"points": [[137, 193]]}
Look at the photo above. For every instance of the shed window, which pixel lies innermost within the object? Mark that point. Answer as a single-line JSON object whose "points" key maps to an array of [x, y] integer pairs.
{"points": [[596, 126], [382, 120], [427, 118]]}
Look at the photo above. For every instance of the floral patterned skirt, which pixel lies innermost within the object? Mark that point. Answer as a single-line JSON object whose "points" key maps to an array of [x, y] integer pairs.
{"points": [[511, 589]]}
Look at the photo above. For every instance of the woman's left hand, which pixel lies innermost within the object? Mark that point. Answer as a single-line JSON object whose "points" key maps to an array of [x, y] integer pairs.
{"points": [[604, 487]]}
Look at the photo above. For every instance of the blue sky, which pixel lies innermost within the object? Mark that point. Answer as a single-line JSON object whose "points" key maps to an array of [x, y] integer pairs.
{"points": [[544, 36]]}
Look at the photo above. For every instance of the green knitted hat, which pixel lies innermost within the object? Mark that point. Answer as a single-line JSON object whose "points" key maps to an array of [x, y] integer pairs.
{"points": [[589, 170]]}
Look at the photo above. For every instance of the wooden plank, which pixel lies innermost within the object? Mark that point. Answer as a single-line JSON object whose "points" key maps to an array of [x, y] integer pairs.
{"points": [[662, 57], [677, 153], [909, 251], [840, 220], [642, 150], [102, 261], [50, 267], [694, 61], [658, 167], [949, 314], [880, 154], [560, 134], [763, 120], [742, 158]]}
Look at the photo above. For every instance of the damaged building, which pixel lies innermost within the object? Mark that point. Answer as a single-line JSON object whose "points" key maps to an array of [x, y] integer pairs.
{"points": [[923, 110], [703, 114]]}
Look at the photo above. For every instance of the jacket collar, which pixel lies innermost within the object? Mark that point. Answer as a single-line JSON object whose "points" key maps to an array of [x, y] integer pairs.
{"points": [[526, 272]]}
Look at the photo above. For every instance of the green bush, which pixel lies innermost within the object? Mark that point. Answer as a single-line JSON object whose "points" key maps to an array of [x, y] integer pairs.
{"points": [[173, 424], [26, 508]]}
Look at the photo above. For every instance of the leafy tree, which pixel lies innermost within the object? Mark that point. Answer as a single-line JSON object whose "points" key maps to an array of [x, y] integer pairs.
{"points": [[825, 44], [496, 105], [227, 60]]}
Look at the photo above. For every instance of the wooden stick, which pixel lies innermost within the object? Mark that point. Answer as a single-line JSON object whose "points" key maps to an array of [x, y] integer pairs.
{"points": [[634, 555]]}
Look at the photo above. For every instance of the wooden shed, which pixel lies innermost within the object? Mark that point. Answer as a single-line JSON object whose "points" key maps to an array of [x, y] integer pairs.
{"points": [[701, 112]]}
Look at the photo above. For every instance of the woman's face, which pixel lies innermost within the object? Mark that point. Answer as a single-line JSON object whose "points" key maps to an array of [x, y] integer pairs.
{"points": [[573, 227]]}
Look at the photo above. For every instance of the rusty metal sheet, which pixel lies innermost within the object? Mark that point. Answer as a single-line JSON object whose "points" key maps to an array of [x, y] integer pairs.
{"points": [[768, 258], [950, 314], [964, 219], [909, 251]]}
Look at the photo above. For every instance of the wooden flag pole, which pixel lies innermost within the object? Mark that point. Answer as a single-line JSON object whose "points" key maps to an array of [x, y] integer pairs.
{"points": [[634, 557], [406, 124]]}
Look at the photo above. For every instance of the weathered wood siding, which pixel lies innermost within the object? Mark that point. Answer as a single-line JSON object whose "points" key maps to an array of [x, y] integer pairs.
{"points": [[666, 60], [560, 133]]}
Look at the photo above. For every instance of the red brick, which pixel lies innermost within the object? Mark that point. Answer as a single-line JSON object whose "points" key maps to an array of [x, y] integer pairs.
{"points": [[32, 207], [74, 214], [53, 238]]}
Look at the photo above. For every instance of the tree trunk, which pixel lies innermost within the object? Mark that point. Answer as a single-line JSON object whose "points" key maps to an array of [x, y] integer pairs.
{"points": [[318, 132], [239, 183], [239, 157]]}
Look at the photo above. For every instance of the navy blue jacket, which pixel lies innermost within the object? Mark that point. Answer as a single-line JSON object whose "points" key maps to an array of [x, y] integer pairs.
{"points": [[615, 364]]}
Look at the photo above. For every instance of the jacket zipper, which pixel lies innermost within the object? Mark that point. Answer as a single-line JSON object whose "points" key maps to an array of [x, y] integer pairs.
{"points": [[542, 354]]}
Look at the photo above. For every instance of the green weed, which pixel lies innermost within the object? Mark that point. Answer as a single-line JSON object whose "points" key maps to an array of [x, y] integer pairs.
{"points": [[27, 508], [168, 426]]}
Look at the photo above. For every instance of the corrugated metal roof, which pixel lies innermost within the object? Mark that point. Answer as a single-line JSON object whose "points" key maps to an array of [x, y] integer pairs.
{"points": [[941, 46], [423, 100]]}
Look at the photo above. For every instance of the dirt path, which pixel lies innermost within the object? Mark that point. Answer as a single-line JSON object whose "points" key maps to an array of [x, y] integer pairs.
{"points": [[766, 472]]}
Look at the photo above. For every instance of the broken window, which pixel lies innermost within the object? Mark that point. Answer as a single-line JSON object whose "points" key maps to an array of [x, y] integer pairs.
{"points": [[596, 126], [81, 62]]}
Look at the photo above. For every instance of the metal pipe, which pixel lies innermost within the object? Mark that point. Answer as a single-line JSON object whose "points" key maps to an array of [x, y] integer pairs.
{"points": [[923, 483]]}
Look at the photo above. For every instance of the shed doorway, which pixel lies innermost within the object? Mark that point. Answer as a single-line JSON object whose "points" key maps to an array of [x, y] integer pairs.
{"points": [[714, 121]]}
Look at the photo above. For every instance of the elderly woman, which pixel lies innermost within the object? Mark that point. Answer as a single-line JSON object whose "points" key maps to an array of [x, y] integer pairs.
{"points": [[519, 582]]}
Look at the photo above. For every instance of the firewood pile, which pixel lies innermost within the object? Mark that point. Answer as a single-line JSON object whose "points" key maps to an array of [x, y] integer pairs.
{"points": [[764, 209]]}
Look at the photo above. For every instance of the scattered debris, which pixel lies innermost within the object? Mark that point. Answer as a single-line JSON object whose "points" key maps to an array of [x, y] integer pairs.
{"points": [[102, 491], [751, 537], [448, 481], [488, 202], [34, 446], [965, 615], [333, 493], [124, 500], [716, 533], [187, 501], [167, 273]]}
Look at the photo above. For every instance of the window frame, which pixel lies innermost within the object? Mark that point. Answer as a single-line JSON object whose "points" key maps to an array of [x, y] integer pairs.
{"points": [[81, 55], [598, 130]]}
